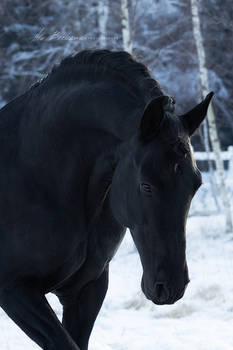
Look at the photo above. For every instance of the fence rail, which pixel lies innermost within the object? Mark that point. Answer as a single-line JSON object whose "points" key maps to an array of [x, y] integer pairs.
{"points": [[226, 156]]}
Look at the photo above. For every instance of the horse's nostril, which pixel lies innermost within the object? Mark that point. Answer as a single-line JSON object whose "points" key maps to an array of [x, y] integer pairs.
{"points": [[161, 292]]}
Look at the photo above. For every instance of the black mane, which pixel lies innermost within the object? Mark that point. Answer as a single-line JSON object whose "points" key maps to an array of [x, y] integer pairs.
{"points": [[90, 64]]}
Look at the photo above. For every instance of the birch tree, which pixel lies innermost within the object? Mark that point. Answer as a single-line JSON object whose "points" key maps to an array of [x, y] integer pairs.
{"points": [[103, 11], [211, 116], [125, 23]]}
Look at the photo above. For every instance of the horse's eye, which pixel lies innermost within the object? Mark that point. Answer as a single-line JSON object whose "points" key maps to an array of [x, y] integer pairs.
{"points": [[146, 188]]}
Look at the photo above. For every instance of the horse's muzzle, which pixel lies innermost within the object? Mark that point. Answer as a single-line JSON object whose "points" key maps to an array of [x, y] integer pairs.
{"points": [[162, 294]]}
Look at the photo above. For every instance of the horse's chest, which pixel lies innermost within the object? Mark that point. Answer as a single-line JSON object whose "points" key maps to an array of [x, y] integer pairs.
{"points": [[104, 239], [108, 239], [64, 272]]}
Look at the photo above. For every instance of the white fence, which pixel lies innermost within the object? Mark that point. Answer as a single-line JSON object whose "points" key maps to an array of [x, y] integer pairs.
{"points": [[226, 156]]}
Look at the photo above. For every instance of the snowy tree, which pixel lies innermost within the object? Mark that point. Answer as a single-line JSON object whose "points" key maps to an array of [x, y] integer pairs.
{"points": [[103, 18], [211, 116], [126, 33]]}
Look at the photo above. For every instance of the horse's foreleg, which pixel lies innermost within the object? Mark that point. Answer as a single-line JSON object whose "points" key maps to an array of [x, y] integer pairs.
{"points": [[80, 315], [30, 310]]}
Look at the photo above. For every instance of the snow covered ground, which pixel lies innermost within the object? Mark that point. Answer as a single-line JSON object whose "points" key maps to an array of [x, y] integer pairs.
{"points": [[202, 320]]}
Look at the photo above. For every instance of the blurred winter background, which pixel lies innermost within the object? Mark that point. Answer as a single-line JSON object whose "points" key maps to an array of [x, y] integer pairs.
{"points": [[170, 36]]}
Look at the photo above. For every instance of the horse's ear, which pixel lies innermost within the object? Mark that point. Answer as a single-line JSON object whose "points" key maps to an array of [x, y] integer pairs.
{"points": [[152, 118], [193, 118]]}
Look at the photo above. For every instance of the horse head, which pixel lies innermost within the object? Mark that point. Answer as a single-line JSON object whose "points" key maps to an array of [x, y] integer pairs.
{"points": [[152, 188]]}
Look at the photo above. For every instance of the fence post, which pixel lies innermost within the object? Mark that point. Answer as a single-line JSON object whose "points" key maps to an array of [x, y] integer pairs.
{"points": [[230, 163]]}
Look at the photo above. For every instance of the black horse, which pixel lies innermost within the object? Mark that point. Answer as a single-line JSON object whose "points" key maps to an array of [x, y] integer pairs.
{"points": [[93, 148]]}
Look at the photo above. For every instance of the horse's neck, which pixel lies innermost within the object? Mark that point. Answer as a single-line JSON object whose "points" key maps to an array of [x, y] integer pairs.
{"points": [[105, 106]]}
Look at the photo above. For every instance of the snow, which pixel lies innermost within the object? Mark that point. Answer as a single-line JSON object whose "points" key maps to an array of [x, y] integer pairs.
{"points": [[201, 320]]}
